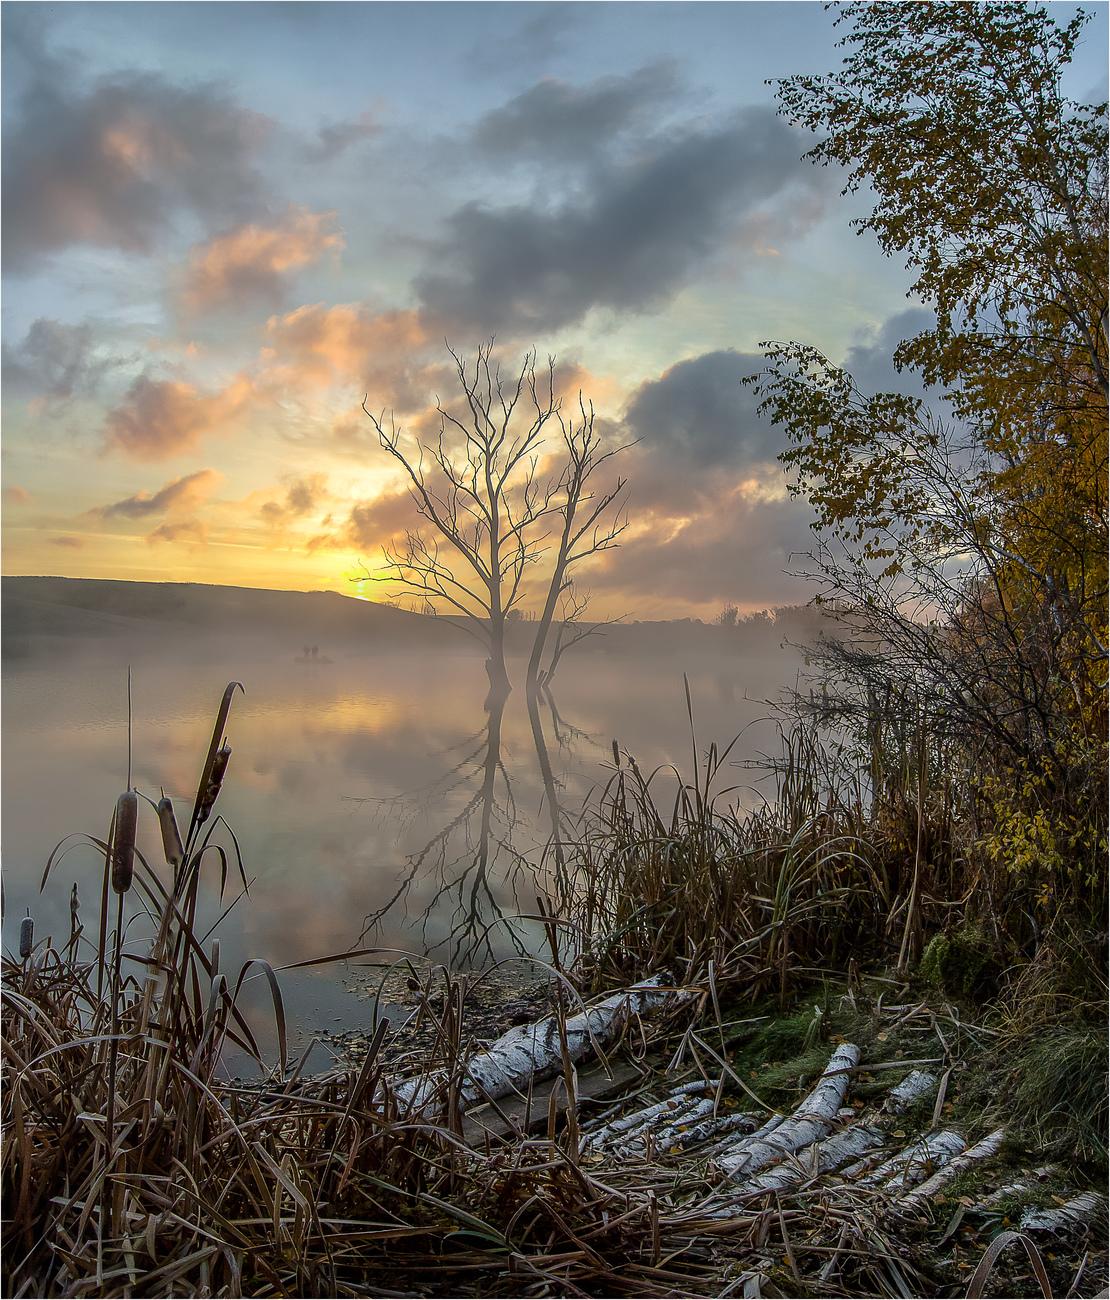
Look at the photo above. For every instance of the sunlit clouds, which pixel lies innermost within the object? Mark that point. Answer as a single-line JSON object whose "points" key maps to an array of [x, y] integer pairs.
{"points": [[221, 237]]}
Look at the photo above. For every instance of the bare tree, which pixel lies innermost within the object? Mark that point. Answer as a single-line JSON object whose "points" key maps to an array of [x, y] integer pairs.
{"points": [[477, 488], [591, 522], [484, 491]]}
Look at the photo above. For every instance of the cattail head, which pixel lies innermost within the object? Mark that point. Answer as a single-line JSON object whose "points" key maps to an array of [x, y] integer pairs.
{"points": [[123, 841], [616, 754], [26, 935], [215, 781], [171, 836]]}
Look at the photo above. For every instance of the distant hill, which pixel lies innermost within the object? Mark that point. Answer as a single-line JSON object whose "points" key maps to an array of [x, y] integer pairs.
{"points": [[72, 609], [66, 611]]}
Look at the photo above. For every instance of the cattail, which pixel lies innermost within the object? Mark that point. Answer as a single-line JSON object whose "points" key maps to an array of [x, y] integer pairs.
{"points": [[171, 836], [215, 781], [616, 754], [123, 841], [26, 935]]}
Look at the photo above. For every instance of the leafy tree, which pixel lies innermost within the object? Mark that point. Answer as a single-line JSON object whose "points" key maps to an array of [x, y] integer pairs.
{"points": [[969, 555]]}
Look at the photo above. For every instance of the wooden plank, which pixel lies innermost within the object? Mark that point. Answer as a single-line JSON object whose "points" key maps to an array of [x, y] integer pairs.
{"points": [[515, 1115]]}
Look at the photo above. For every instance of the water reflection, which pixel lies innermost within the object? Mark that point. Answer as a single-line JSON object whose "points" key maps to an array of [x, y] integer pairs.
{"points": [[370, 778], [478, 871]]}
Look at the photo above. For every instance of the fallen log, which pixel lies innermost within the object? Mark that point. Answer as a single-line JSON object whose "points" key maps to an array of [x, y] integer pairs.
{"points": [[530, 1052], [1075, 1215], [851, 1143], [909, 1166], [958, 1164], [811, 1121]]}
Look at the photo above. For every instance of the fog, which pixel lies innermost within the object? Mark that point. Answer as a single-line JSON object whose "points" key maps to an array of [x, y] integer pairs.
{"points": [[357, 765]]}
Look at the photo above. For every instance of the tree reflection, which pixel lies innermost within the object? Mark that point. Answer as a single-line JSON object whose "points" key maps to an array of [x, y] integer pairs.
{"points": [[467, 884]]}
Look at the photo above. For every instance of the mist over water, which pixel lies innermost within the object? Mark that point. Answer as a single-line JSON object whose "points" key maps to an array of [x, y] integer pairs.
{"points": [[350, 773]]}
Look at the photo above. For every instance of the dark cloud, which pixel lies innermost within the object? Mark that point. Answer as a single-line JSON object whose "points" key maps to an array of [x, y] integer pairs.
{"points": [[188, 530], [335, 138], [700, 413], [556, 121], [545, 33], [68, 542], [743, 544], [629, 244], [112, 164], [870, 361], [55, 361], [374, 522], [181, 493]]}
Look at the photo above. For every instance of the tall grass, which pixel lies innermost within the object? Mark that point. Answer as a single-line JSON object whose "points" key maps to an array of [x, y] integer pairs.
{"points": [[134, 1165]]}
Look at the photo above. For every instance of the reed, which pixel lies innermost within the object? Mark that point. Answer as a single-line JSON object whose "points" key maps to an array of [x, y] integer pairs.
{"points": [[135, 1166]]}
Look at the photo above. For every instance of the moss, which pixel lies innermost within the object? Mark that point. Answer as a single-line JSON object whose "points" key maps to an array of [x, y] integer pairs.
{"points": [[960, 963]]}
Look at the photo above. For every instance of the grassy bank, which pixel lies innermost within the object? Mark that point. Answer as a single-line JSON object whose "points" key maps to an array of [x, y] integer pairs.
{"points": [[833, 913]]}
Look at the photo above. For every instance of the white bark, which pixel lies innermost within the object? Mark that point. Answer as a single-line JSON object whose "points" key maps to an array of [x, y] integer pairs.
{"points": [[1072, 1216], [529, 1052], [811, 1121], [679, 1101], [851, 1143], [982, 1150], [916, 1161]]}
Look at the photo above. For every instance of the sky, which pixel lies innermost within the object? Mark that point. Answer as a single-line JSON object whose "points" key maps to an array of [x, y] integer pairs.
{"points": [[225, 224]]}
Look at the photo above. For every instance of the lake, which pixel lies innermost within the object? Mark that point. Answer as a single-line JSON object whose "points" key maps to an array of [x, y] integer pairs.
{"points": [[348, 774]]}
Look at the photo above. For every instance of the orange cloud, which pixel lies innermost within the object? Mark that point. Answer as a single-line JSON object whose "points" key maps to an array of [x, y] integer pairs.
{"points": [[188, 530], [302, 497], [160, 418], [316, 346], [179, 494], [250, 261], [15, 495]]}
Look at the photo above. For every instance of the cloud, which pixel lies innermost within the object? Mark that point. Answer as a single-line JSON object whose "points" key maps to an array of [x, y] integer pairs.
{"points": [[112, 164], [370, 524], [544, 34], [302, 497], [160, 418], [68, 542], [700, 413], [55, 361], [15, 495], [251, 262], [180, 494], [335, 138], [740, 545], [385, 353], [870, 360], [556, 121], [187, 530], [628, 244]]}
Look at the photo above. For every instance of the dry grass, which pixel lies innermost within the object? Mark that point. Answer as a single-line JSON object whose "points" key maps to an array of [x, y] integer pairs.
{"points": [[134, 1166]]}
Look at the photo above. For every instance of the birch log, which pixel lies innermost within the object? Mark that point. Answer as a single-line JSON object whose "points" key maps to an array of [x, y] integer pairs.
{"points": [[964, 1160], [530, 1052], [810, 1122], [851, 1143], [1073, 1216]]}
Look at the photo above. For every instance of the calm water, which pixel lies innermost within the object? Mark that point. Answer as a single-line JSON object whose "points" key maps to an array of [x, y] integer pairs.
{"points": [[346, 777]]}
